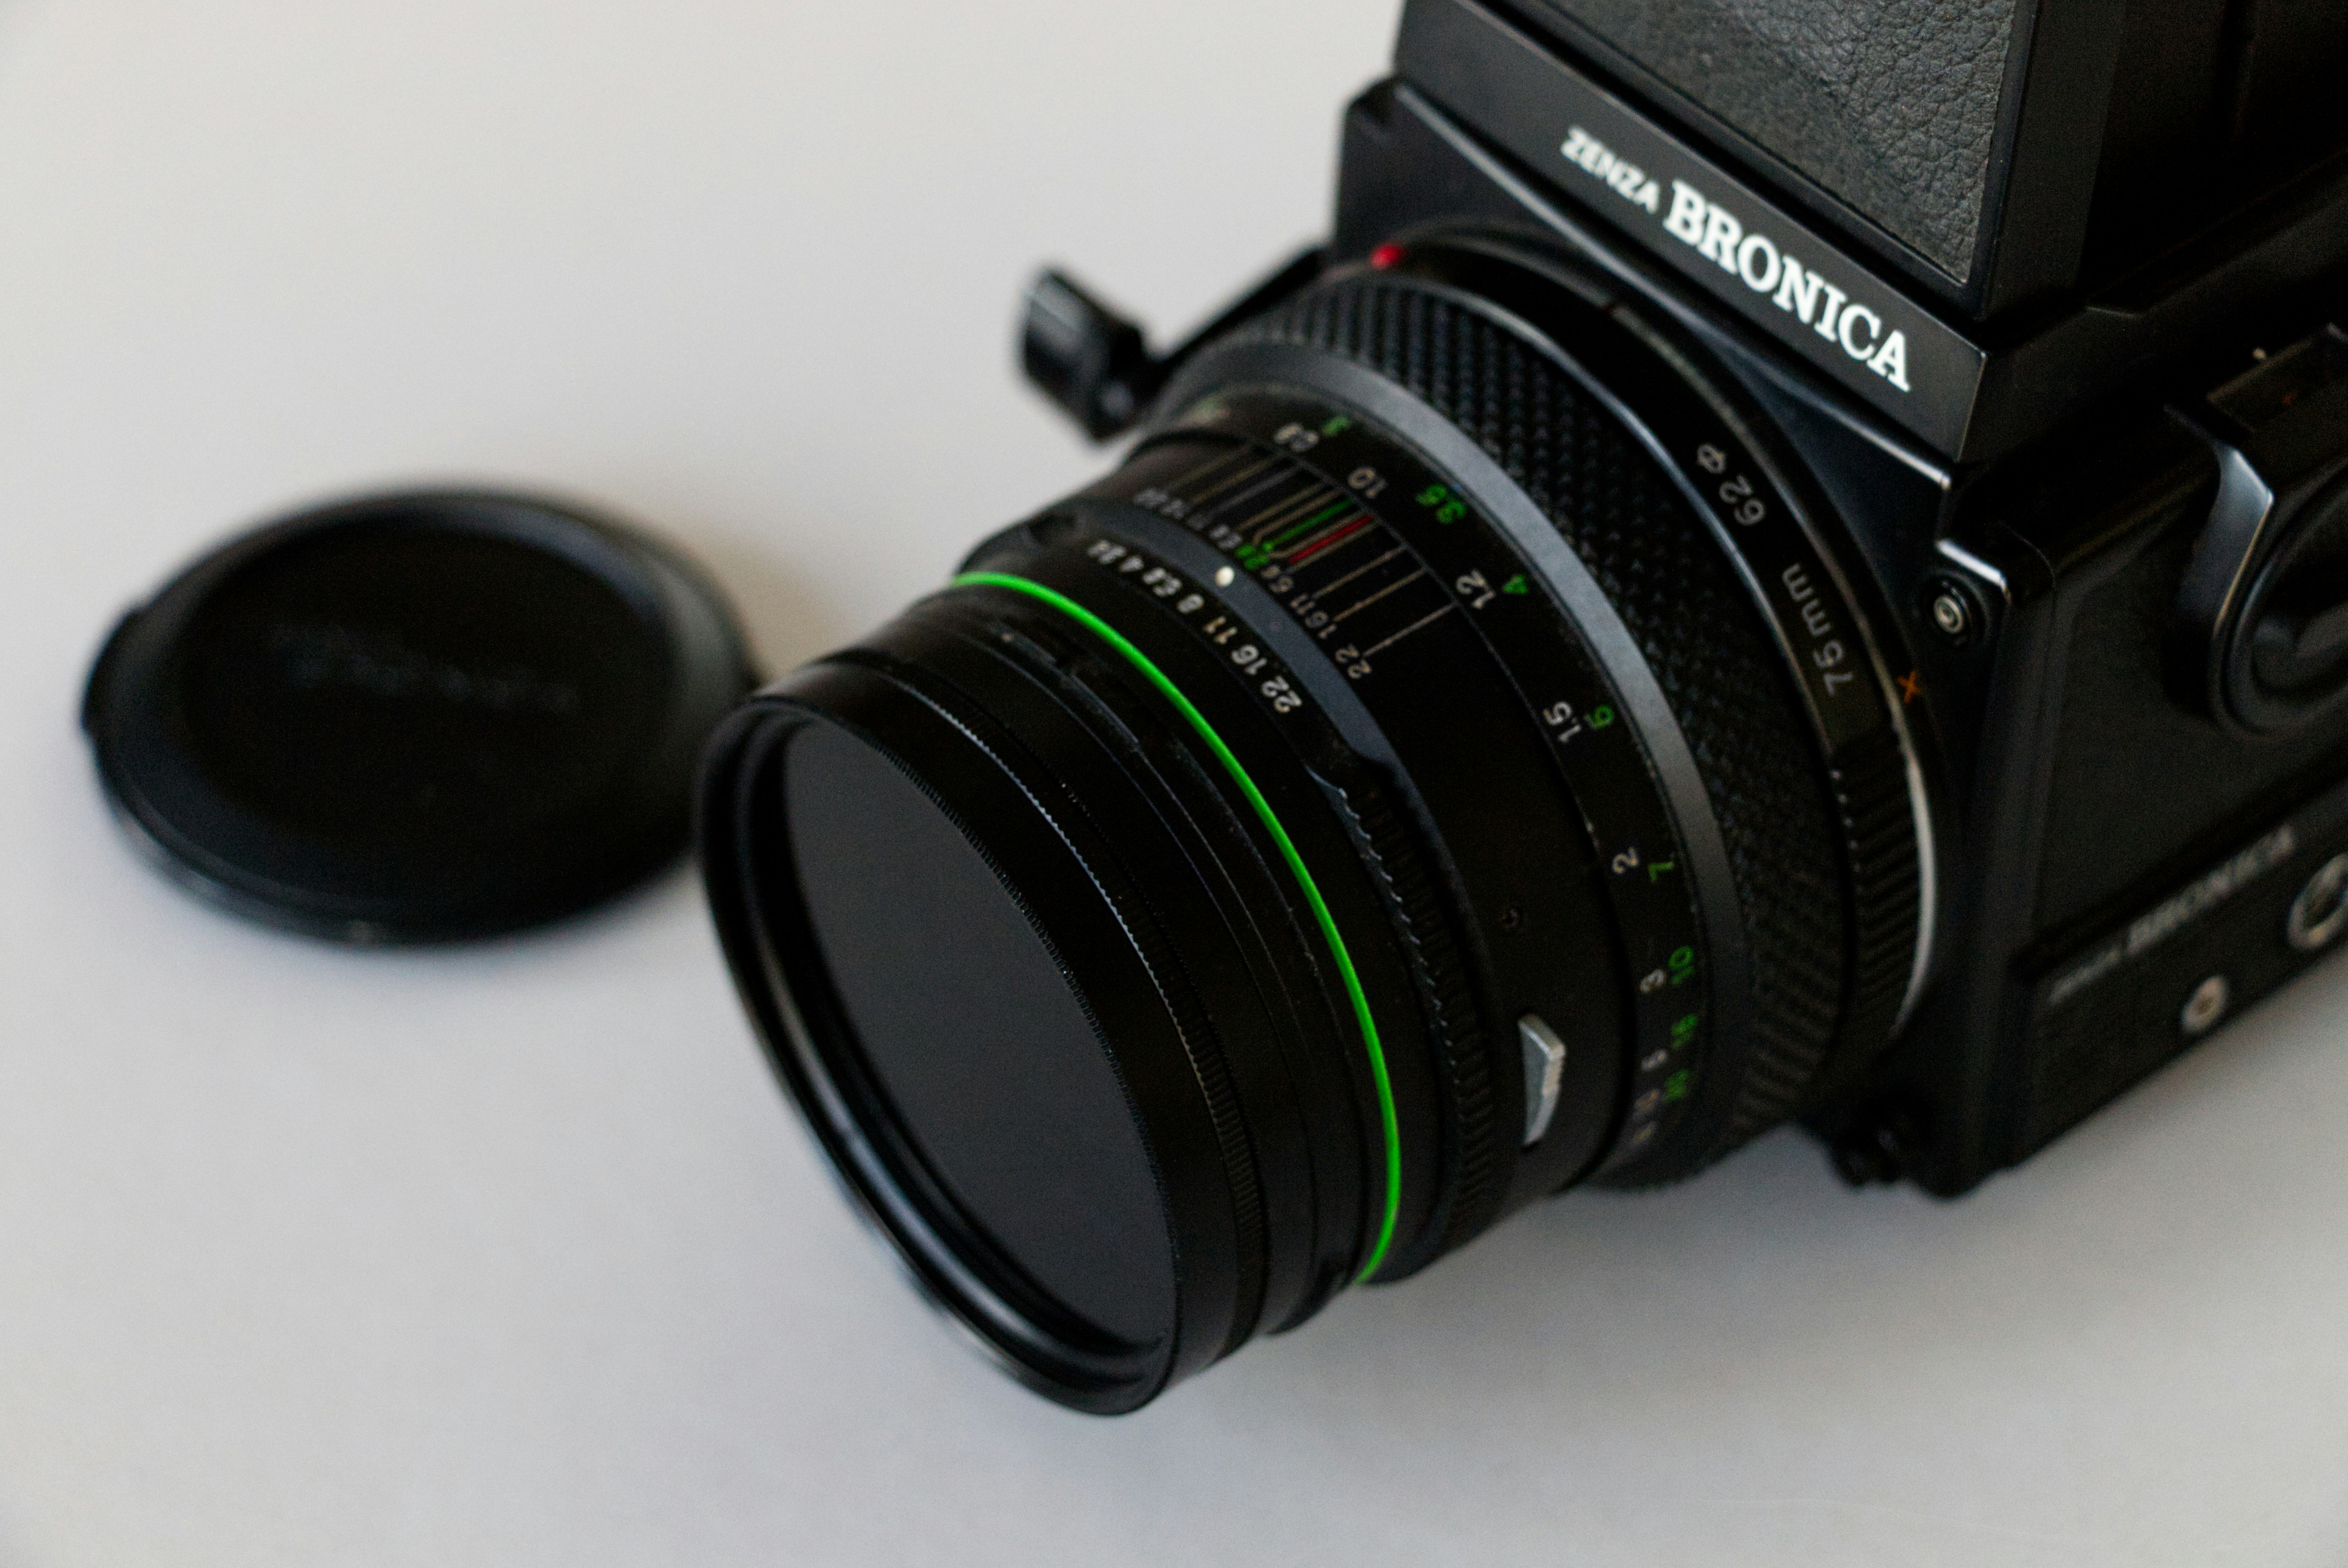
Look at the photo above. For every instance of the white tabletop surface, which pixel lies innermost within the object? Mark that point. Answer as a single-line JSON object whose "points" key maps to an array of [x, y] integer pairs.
{"points": [[513, 1255]]}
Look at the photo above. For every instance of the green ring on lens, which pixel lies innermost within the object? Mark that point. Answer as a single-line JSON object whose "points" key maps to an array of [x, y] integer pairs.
{"points": [[1270, 821]]}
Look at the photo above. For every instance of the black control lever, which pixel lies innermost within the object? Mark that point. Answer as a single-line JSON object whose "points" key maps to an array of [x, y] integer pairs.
{"points": [[2259, 638], [2294, 652], [1096, 364]]}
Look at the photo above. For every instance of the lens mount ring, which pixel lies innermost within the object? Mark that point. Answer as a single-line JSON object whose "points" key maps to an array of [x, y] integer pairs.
{"points": [[1765, 519]]}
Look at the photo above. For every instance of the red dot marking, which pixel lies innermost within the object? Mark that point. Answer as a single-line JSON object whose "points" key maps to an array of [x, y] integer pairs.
{"points": [[1384, 256]]}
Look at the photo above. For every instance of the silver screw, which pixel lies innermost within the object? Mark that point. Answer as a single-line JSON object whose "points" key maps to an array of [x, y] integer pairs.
{"points": [[2321, 911], [2206, 1006], [1951, 614]]}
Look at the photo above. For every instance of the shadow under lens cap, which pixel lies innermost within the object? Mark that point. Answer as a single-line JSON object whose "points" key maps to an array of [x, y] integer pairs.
{"points": [[417, 718]]}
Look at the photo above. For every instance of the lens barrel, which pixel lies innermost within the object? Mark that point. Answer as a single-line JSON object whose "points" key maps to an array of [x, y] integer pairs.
{"points": [[1447, 762]]}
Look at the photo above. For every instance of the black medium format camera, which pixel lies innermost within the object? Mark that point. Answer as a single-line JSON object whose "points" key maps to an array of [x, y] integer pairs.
{"points": [[1788, 561]]}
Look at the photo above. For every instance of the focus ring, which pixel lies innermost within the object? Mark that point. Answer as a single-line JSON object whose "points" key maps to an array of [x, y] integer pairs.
{"points": [[1878, 826], [1710, 649], [1475, 1183]]}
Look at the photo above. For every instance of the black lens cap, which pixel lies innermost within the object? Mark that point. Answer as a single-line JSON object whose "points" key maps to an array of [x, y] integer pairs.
{"points": [[417, 718]]}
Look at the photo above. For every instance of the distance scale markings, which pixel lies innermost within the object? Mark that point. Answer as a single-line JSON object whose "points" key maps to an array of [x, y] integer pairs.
{"points": [[1364, 548], [1318, 547]]}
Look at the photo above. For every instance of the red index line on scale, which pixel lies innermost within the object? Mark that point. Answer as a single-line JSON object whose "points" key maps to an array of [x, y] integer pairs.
{"points": [[1342, 534]]}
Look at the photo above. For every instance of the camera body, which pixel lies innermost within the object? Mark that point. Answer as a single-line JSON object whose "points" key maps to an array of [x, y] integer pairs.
{"points": [[2089, 496], [1723, 595]]}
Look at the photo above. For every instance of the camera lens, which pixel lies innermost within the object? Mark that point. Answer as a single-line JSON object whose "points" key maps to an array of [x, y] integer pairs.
{"points": [[1447, 762]]}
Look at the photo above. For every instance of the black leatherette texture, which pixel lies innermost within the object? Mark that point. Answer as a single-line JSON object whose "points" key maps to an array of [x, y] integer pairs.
{"points": [[1890, 105]]}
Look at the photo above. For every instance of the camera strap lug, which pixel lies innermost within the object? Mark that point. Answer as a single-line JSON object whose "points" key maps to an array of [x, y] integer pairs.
{"points": [[1096, 364]]}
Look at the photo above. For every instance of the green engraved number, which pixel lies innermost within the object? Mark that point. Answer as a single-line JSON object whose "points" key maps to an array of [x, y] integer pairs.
{"points": [[1447, 507]]}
